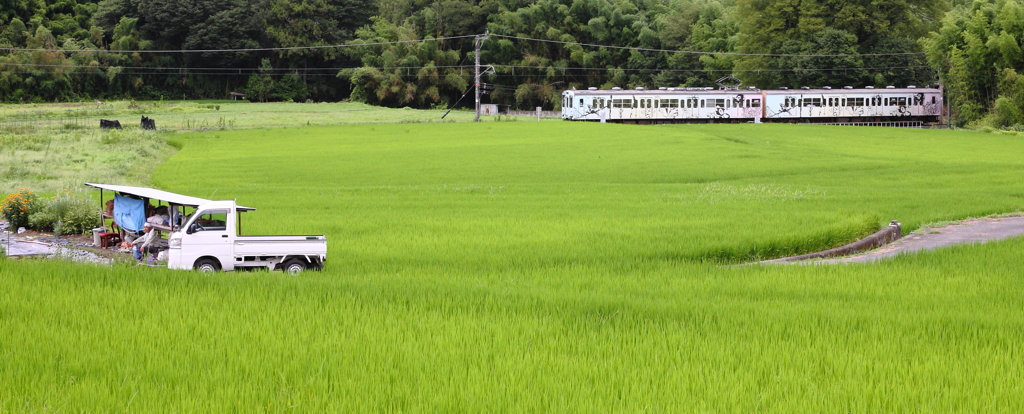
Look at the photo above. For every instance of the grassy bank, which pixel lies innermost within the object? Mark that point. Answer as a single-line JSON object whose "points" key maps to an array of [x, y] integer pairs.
{"points": [[50, 147]]}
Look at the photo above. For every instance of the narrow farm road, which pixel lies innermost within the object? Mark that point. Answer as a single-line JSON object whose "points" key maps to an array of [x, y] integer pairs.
{"points": [[969, 231]]}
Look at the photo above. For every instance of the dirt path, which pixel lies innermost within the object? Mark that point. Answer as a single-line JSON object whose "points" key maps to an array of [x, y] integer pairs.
{"points": [[969, 231]]}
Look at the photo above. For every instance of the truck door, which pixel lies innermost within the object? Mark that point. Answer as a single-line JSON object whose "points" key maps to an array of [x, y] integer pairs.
{"points": [[209, 233]]}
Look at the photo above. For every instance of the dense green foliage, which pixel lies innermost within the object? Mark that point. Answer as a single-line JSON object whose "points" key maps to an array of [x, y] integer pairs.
{"points": [[549, 267], [66, 213], [974, 47], [101, 26], [978, 52]]}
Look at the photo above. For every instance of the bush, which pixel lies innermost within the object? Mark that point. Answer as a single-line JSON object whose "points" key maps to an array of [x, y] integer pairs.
{"points": [[66, 214], [18, 207]]}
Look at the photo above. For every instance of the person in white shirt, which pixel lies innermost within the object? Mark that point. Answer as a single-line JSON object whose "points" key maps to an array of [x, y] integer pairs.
{"points": [[147, 243]]}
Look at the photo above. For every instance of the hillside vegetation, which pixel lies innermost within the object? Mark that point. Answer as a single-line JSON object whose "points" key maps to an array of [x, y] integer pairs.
{"points": [[286, 50]]}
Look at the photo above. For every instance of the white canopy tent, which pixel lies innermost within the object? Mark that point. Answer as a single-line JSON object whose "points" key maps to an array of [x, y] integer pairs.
{"points": [[146, 193]]}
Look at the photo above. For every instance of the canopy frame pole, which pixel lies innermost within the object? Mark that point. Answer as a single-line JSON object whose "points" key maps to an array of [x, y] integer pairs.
{"points": [[102, 224]]}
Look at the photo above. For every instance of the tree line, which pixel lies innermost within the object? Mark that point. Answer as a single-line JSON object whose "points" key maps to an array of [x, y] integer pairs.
{"points": [[537, 49]]}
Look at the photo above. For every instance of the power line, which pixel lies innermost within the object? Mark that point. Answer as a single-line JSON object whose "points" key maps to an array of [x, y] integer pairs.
{"points": [[229, 69], [704, 70], [262, 49], [143, 70], [707, 53]]}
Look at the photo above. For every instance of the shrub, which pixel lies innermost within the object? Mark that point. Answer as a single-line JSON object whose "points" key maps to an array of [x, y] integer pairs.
{"points": [[18, 207], [66, 213]]}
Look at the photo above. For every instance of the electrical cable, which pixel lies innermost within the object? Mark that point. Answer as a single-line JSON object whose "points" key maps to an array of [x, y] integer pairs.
{"points": [[261, 49], [705, 53]]}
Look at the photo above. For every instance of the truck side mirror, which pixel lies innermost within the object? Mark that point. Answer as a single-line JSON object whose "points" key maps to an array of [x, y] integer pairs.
{"points": [[191, 229]]}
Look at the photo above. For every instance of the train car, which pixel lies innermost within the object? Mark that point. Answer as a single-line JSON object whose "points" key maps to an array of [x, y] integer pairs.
{"points": [[663, 105], [825, 105], [853, 105]]}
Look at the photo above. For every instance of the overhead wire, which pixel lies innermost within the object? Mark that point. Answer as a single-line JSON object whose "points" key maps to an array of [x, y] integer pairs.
{"points": [[239, 71], [258, 49], [694, 52]]}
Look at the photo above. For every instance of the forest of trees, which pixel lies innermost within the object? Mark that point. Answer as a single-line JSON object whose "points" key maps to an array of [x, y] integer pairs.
{"points": [[69, 50]]}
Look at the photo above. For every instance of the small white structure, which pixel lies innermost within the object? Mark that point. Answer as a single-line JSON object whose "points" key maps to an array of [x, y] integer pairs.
{"points": [[488, 109]]}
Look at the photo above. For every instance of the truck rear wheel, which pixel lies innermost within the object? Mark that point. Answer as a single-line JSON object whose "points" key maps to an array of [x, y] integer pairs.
{"points": [[293, 267], [207, 265]]}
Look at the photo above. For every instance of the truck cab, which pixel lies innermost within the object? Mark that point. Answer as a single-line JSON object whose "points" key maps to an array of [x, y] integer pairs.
{"points": [[209, 240]]}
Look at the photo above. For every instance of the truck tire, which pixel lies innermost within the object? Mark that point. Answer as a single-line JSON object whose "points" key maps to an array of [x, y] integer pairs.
{"points": [[207, 265], [293, 267]]}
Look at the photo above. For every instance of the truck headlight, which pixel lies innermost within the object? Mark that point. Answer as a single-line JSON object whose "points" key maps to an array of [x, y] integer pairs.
{"points": [[174, 243]]}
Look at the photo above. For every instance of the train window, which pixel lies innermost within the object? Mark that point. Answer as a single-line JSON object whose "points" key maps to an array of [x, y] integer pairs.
{"points": [[643, 103], [933, 100], [748, 103], [581, 103], [622, 103], [756, 103], [855, 101], [727, 103], [901, 101], [656, 102], [812, 102]]}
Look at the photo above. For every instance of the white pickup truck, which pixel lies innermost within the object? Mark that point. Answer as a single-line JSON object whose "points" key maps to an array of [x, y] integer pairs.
{"points": [[209, 241]]}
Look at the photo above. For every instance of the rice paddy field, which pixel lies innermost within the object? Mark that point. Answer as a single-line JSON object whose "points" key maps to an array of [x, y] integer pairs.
{"points": [[549, 267]]}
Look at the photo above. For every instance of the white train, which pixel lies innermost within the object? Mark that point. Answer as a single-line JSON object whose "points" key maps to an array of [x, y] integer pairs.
{"points": [[826, 105]]}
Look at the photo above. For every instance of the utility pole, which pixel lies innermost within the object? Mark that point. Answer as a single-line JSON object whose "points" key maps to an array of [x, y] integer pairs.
{"points": [[477, 42]]}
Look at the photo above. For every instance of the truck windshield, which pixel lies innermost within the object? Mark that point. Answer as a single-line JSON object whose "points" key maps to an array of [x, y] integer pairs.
{"points": [[209, 220]]}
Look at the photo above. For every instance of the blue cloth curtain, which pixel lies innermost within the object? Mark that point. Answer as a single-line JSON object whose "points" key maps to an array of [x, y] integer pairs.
{"points": [[129, 213]]}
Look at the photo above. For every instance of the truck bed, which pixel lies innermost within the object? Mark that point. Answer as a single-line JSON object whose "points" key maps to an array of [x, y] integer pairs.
{"points": [[280, 245]]}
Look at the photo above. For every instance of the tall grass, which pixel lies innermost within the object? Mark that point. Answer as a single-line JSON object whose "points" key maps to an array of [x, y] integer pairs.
{"points": [[939, 332], [549, 268]]}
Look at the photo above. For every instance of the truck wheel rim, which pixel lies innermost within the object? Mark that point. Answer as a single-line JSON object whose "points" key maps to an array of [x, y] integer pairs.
{"points": [[294, 270], [207, 268]]}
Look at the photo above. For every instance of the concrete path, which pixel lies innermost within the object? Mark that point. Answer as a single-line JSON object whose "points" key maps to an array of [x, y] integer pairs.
{"points": [[970, 231], [21, 247]]}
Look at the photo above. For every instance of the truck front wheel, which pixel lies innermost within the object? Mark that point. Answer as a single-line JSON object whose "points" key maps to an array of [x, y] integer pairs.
{"points": [[293, 267], [207, 265]]}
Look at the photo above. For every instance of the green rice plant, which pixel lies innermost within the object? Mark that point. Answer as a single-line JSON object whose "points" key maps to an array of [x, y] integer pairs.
{"points": [[922, 333], [586, 192], [549, 267]]}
